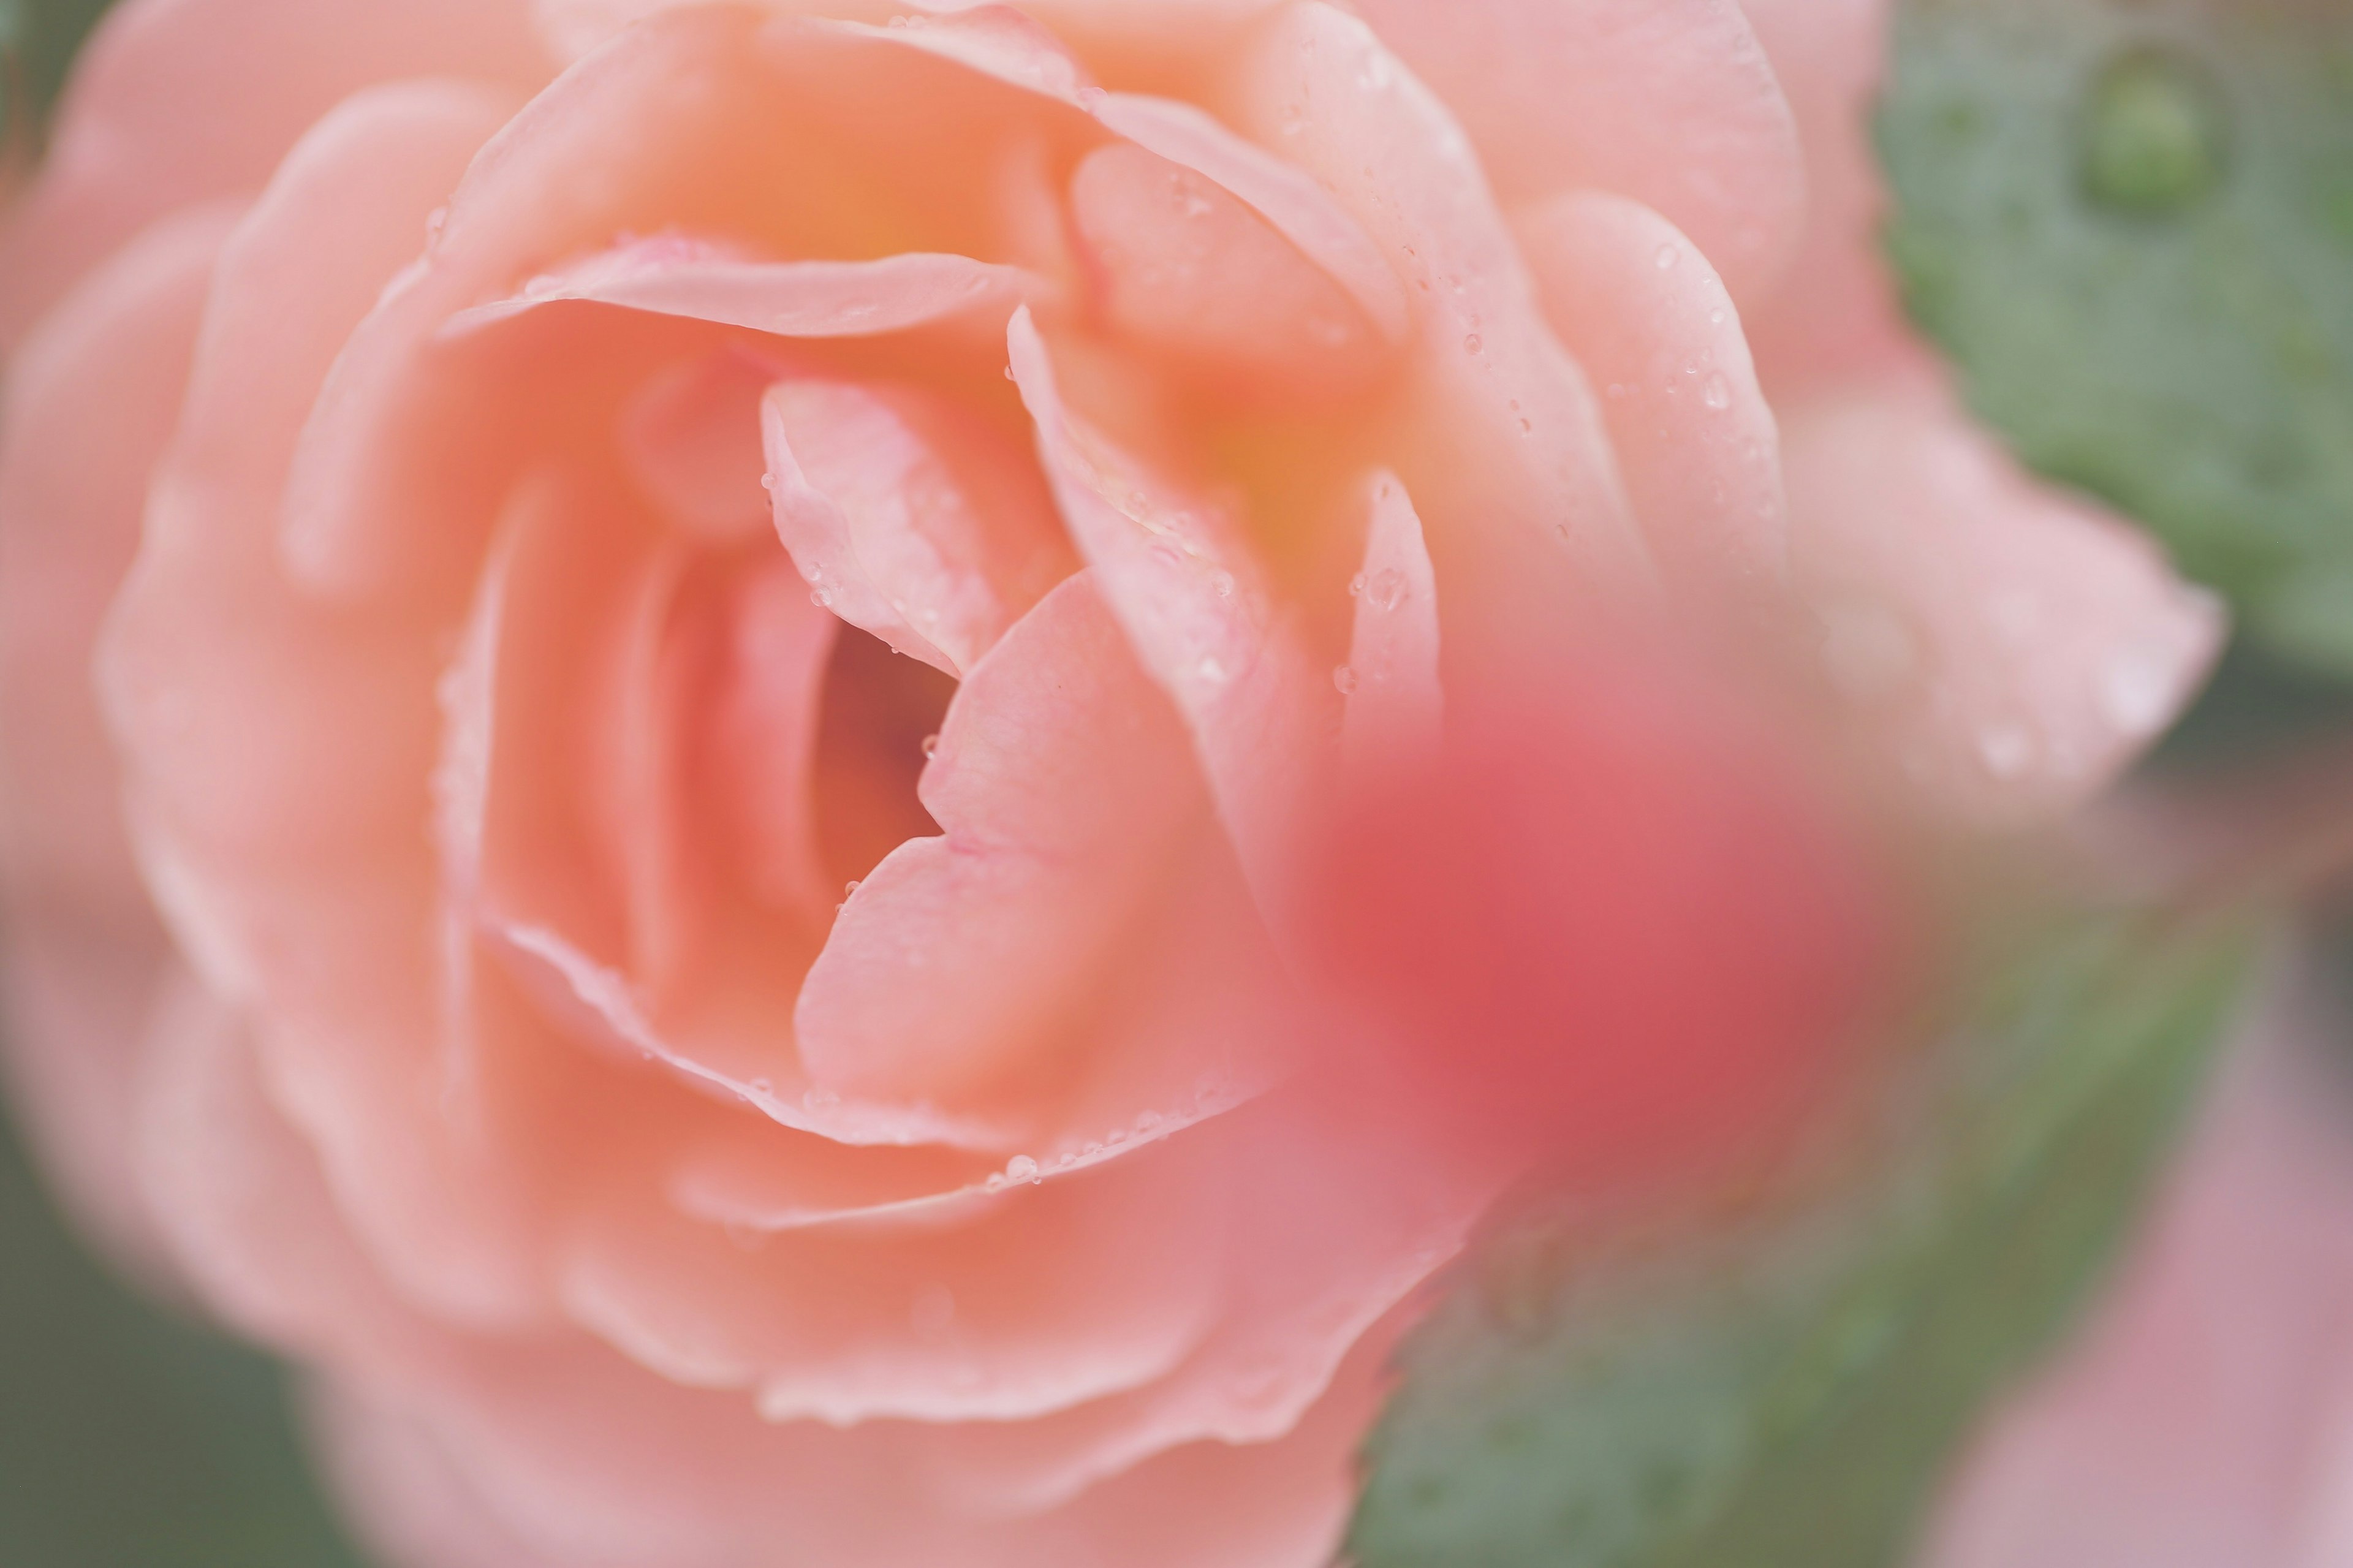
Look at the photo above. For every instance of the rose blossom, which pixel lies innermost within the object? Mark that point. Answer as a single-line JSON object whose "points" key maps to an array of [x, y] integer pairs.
{"points": [[492, 456]]}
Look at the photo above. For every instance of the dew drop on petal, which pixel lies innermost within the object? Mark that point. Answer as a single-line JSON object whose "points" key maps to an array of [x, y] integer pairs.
{"points": [[1386, 590], [1716, 393], [1345, 677], [1021, 1168], [1666, 256], [931, 746]]}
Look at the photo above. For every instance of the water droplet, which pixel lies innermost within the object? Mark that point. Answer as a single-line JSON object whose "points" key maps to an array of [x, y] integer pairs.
{"points": [[1065, 1159], [822, 598], [1021, 1168], [541, 286], [821, 1100], [763, 1087], [1717, 393], [1222, 585], [2136, 690], [1147, 1120], [849, 887], [1210, 669], [2007, 750], [1115, 1137], [1356, 586], [1715, 317], [767, 481], [1472, 344], [1344, 678], [2155, 140], [434, 224], [1386, 590], [931, 746], [932, 1311], [1666, 256]]}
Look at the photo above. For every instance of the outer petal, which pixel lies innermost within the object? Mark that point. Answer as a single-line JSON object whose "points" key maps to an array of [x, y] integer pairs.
{"points": [[1671, 103], [1835, 312], [143, 129], [2020, 646], [91, 400]]}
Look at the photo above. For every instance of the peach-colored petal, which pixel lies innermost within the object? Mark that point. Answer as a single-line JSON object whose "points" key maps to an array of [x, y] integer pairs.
{"points": [[1186, 271], [1670, 102], [1395, 705], [411, 424], [907, 516], [691, 441], [1298, 209], [92, 399], [246, 783], [1834, 314], [1647, 316], [2020, 647], [1045, 1298], [677, 276], [1502, 441], [1063, 781], [143, 130], [1198, 610]]}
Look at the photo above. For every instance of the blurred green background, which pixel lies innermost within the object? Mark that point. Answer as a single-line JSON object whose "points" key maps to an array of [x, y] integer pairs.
{"points": [[130, 1436]]}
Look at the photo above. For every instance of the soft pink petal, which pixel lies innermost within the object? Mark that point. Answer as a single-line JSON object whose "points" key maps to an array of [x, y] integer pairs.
{"points": [[2018, 646], [1502, 442], [1046, 1297], [1199, 613], [1396, 707], [1183, 270], [1300, 210], [691, 441], [1063, 781], [675, 276], [257, 834], [1835, 315], [1649, 319], [909, 516], [143, 130], [92, 398], [1669, 103], [410, 424]]}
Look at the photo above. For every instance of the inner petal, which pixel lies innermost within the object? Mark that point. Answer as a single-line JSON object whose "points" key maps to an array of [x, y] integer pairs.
{"points": [[1185, 268]]}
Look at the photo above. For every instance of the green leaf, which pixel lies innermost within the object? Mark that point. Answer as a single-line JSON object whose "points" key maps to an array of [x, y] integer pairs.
{"points": [[130, 1437], [1779, 1383], [2130, 224], [39, 39]]}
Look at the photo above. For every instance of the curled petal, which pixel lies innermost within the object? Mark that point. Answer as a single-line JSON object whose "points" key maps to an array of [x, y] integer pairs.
{"points": [[1647, 316]]}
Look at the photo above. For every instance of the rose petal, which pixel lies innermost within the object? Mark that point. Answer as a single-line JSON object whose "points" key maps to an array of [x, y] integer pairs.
{"points": [[1501, 442], [1198, 615], [1645, 315], [1670, 102], [142, 131], [1396, 708], [1063, 781], [911, 517], [677, 277], [2020, 647]]}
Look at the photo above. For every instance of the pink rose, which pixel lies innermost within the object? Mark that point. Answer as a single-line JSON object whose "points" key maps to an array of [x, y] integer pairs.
{"points": [[430, 942]]}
